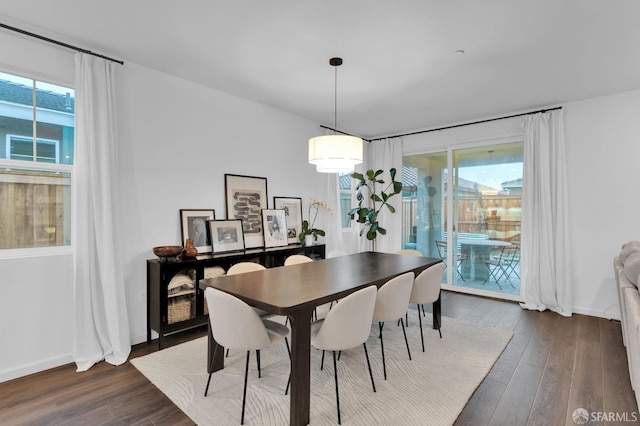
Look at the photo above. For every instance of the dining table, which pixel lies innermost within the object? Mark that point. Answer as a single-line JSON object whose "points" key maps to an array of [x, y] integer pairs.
{"points": [[296, 290]]}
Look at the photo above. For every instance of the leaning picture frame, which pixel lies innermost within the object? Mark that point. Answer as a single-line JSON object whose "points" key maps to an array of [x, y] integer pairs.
{"points": [[275, 227], [245, 197], [292, 207], [193, 225], [226, 235]]}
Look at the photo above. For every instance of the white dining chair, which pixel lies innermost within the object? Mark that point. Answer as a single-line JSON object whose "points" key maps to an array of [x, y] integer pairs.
{"points": [[244, 267], [426, 289], [346, 326], [241, 268], [296, 259], [235, 325], [392, 302]]}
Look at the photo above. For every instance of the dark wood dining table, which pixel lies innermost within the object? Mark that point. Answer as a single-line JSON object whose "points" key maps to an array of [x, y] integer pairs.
{"points": [[295, 291]]}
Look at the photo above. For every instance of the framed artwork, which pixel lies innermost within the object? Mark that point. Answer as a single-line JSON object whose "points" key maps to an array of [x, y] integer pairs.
{"points": [[292, 207], [226, 235], [245, 197], [275, 227], [193, 225]]}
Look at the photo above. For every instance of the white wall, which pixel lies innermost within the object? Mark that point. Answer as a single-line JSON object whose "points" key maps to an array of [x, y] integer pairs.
{"points": [[176, 142], [602, 149]]}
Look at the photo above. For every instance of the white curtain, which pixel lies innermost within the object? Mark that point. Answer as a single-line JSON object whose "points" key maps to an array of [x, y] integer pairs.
{"points": [[546, 276], [385, 154], [101, 322], [333, 223]]}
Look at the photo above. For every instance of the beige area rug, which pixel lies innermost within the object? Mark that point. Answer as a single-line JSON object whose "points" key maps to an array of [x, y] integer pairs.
{"points": [[431, 389]]}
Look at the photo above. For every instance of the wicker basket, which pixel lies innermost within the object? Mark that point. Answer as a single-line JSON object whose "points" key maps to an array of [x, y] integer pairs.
{"points": [[182, 307]]}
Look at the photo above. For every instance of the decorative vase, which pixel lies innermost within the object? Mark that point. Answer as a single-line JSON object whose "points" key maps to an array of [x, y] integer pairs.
{"points": [[308, 240], [190, 251]]}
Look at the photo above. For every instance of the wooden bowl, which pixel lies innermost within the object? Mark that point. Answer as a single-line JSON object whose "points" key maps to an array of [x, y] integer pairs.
{"points": [[167, 252]]}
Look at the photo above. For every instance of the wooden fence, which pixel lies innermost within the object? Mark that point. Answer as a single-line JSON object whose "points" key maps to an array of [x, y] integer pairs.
{"points": [[34, 209]]}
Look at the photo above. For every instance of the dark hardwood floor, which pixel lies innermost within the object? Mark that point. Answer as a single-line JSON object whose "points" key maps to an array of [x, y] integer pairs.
{"points": [[552, 366]]}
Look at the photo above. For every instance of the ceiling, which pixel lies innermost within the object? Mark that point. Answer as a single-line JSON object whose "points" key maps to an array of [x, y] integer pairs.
{"points": [[401, 71]]}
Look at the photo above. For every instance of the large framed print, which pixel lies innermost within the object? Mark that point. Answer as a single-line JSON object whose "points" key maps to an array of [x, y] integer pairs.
{"points": [[193, 225], [292, 207], [245, 197], [275, 227], [226, 235]]}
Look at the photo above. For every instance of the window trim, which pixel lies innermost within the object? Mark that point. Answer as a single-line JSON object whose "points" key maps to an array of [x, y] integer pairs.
{"points": [[54, 142]]}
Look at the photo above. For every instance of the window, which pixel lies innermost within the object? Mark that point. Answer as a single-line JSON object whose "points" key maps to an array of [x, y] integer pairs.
{"points": [[345, 199], [37, 123], [475, 225]]}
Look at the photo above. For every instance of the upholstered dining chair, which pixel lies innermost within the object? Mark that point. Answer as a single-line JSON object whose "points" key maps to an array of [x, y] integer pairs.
{"points": [[426, 289], [296, 259], [346, 326], [244, 267], [392, 302], [235, 325], [241, 268]]}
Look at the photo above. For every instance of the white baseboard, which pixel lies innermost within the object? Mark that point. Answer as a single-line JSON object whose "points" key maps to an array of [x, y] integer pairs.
{"points": [[607, 314], [34, 367]]}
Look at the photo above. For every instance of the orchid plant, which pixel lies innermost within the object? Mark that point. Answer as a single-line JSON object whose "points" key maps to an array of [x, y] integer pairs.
{"points": [[310, 229]]}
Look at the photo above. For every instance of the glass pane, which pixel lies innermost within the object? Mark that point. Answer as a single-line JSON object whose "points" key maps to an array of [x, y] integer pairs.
{"points": [[55, 121], [344, 181], [487, 217], [16, 117], [423, 202], [35, 208]]}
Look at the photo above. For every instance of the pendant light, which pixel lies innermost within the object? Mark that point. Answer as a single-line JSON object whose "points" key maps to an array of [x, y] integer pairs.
{"points": [[335, 153]]}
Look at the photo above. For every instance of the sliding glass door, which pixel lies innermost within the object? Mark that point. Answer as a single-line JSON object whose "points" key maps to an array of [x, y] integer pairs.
{"points": [[474, 225]]}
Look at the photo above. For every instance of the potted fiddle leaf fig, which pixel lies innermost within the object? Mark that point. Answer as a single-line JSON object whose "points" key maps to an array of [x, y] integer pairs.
{"points": [[371, 201]]}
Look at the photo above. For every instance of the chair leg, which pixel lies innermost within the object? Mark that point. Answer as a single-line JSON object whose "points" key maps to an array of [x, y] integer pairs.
{"points": [[244, 392], [366, 354], [405, 338], [258, 362], [215, 351], [335, 374], [421, 335], [227, 355], [384, 363], [322, 361]]}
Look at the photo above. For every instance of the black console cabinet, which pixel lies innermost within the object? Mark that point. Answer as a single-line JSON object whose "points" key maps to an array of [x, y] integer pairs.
{"points": [[159, 275]]}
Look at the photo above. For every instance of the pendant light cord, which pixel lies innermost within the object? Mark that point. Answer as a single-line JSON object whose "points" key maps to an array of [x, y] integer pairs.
{"points": [[335, 98]]}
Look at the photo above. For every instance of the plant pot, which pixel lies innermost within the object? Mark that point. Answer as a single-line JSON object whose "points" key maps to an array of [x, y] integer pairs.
{"points": [[308, 240]]}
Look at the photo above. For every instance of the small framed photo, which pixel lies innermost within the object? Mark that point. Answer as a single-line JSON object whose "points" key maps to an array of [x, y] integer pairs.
{"points": [[275, 227], [245, 197], [226, 235], [292, 207], [193, 225]]}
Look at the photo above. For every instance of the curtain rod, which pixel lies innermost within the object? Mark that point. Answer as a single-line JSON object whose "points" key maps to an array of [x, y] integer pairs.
{"points": [[59, 43], [467, 124]]}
